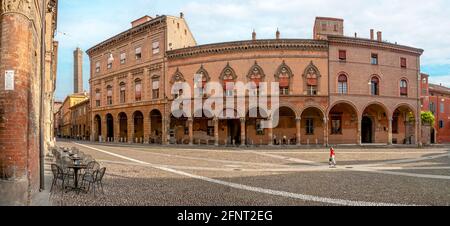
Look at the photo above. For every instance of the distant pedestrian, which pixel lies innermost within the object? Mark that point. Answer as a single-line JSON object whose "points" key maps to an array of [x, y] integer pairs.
{"points": [[332, 158]]}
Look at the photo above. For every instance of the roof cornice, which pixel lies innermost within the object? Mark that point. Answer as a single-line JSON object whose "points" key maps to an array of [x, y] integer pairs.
{"points": [[265, 44], [128, 33], [335, 39]]}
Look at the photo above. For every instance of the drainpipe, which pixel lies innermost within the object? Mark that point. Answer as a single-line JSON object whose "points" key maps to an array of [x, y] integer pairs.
{"points": [[41, 105]]}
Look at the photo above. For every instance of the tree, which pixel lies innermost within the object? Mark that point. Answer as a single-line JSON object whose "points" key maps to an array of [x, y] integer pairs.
{"points": [[427, 118]]}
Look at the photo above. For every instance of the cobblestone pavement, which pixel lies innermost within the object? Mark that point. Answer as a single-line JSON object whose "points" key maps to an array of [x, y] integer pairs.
{"points": [[173, 176]]}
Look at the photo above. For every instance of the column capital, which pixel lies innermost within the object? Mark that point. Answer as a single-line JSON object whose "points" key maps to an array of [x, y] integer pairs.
{"points": [[298, 119], [23, 7]]}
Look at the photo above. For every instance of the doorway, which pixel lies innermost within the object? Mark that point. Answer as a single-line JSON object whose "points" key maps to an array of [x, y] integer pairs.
{"points": [[234, 131], [367, 130]]}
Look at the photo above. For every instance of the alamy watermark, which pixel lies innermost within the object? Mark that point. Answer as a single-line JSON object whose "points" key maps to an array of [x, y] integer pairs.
{"points": [[227, 100]]}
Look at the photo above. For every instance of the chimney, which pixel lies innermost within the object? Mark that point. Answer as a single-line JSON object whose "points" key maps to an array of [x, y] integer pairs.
{"points": [[278, 34], [356, 35], [380, 36], [254, 35], [140, 21], [181, 15], [372, 35]]}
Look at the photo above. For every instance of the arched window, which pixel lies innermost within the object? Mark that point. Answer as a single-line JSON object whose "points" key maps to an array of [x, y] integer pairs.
{"points": [[138, 90], [203, 78], [109, 98], [403, 88], [312, 76], [256, 76], [122, 93], [284, 75], [176, 79], [342, 84], [228, 77], [97, 97], [375, 86]]}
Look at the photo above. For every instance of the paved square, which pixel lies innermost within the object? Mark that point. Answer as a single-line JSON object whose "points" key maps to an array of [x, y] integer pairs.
{"points": [[173, 176]]}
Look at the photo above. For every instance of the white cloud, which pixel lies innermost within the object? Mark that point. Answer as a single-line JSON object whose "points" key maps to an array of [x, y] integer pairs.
{"points": [[444, 80]]}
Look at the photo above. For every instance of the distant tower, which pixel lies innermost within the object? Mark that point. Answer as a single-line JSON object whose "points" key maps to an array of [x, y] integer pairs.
{"points": [[78, 71]]}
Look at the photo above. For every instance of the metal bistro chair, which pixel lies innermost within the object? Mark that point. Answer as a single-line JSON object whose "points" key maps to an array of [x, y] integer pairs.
{"points": [[93, 179], [58, 175], [68, 173]]}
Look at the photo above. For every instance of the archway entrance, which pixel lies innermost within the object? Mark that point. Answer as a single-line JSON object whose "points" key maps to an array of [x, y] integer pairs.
{"points": [[98, 128], [312, 126], [343, 124], [403, 126], [366, 130], [123, 127], [375, 125], [109, 128], [234, 131], [138, 127], [255, 134], [433, 136], [286, 131], [155, 127], [179, 130]]}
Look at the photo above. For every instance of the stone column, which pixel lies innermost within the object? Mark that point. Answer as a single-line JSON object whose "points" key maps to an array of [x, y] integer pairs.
{"points": [[147, 129], [165, 129], [325, 132], [390, 131], [358, 138], [104, 130], [270, 132], [216, 131], [116, 129], [299, 131], [130, 128], [243, 134], [191, 131]]}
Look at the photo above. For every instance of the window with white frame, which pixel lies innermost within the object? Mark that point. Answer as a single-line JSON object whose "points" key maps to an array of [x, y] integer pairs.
{"points": [[97, 67], [155, 47], [138, 53], [123, 58]]}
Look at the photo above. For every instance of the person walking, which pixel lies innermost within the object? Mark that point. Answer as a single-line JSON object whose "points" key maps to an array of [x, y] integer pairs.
{"points": [[332, 158]]}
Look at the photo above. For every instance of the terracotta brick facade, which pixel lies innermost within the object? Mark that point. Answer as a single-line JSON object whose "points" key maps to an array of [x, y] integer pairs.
{"points": [[436, 98], [337, 89], [20, 44]]}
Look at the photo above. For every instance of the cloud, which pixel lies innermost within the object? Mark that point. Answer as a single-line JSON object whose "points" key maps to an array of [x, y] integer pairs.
{"points": [[438, 80]]}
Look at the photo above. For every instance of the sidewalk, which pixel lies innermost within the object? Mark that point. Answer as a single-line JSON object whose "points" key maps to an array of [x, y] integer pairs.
{"points": [[43, 198]]}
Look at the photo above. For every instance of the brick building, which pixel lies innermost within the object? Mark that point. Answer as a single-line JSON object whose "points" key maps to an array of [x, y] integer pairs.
{"points": [[27, 83], [81, 120], [334, 89], [67, 127], [436, 98]]}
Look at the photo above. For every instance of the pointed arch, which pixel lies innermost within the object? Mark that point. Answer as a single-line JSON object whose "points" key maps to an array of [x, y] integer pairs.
{"points": [[312, 71], [228, 73], [205, 75], [283, 71], [256, 72], [311, 78], [177, 77]]}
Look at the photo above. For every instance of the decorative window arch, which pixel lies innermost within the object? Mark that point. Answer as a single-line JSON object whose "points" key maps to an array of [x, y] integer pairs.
{"points": [[122, 92], [342, 83], [204, 78], [375, 85], [109, 95], [138, 89], [284, 77], [177, 77], [228, 78], [403, 88], [312, 79], [256, 74]]}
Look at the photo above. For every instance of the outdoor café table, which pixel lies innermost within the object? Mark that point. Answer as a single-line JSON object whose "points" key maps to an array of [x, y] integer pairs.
{"points": [[76, 168], [75, 159]]}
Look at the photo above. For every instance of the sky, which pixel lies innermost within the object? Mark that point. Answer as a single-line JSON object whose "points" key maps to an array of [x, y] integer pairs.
{"points": [[417, 23]]}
